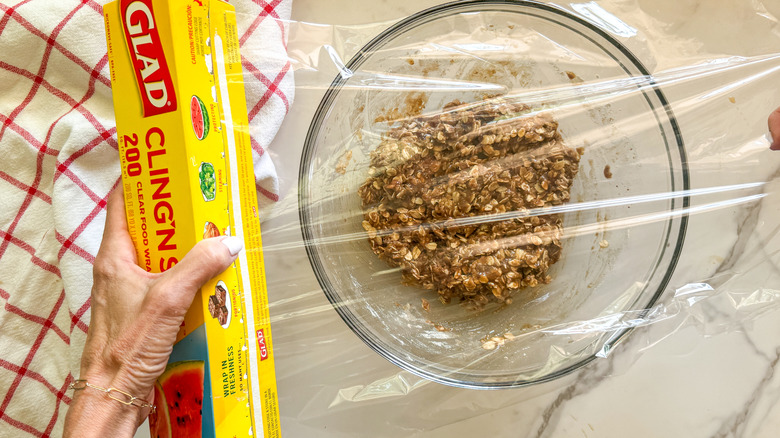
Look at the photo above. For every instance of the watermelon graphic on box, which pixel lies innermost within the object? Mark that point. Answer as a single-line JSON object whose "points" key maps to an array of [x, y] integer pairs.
{"points": [[159, 420], [200, 117], [180, 403]]}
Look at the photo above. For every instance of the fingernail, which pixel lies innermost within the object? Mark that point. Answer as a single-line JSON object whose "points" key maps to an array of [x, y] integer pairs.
{"points": [[234, 244]]}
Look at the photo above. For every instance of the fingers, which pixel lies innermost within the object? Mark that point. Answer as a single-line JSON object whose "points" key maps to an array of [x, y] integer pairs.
{"points": [[205, 261], [774, 129], [116, 221], [116, 242]]}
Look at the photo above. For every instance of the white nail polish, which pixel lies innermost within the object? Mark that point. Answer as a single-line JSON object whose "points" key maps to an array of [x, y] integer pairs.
{"points": [[234, 244]]}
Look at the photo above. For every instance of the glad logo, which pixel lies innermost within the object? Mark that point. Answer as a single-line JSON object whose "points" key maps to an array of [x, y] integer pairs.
{"points": [[261, 345], [151, 69]]}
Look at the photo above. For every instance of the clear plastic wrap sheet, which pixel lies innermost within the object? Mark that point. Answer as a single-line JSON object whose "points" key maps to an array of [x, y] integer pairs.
{"points": [[671, 222]]}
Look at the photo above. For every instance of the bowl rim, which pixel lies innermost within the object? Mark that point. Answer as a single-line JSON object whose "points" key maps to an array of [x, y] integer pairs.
{"points": [[423, 17]]}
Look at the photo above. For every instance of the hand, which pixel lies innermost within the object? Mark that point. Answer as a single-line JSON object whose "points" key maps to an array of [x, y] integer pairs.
{"points": [[135, 318], [774, 129]]}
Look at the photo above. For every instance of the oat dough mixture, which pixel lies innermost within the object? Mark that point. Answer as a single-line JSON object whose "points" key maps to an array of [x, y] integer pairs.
{"points": [[457, 200]]}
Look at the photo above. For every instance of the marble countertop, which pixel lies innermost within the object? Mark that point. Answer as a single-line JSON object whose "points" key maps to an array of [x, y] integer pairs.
{"points": [[709, 370], [698, 375]]}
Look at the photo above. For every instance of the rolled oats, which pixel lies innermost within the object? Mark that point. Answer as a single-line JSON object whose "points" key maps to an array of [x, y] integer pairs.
{"points": [[457, 200]]}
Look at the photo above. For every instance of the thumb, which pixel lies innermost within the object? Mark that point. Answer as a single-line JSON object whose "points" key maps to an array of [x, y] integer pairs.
{"points": [[207, 259], [774, 129]]}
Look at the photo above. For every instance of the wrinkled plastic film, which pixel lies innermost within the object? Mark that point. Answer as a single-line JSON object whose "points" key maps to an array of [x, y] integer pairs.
{"points": [[666, 226]]}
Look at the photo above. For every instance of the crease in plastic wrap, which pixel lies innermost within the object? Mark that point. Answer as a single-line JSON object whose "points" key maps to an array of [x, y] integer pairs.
{"points": [[493, 195]]}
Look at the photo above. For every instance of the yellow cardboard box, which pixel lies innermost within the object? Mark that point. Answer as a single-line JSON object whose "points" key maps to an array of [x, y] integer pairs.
{"points": [[187, 174]]}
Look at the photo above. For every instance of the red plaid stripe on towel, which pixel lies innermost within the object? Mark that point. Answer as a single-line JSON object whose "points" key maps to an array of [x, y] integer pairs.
{"points": [[58, 162]]}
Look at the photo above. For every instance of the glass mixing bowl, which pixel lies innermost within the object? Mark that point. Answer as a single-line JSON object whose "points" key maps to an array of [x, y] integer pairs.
{"points": [[624, 227]]}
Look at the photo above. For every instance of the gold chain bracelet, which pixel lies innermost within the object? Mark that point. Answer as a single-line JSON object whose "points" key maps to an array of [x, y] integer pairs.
{"points": [[125, 399]]}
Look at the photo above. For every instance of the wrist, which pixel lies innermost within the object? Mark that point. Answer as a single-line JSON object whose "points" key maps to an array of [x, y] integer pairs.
{"points": [[134, 379], [93, 414], [120, 380]]}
